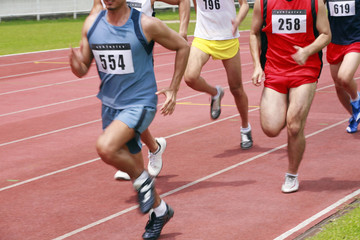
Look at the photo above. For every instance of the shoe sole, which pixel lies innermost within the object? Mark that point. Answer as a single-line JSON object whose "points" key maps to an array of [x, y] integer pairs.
{"points": [[246, 148], [289, 191], [292, 191], [155, 175], [351, 131]]}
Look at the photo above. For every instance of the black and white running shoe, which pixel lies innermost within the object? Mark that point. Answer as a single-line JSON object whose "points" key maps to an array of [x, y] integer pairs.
{"points": [[155, 224]]}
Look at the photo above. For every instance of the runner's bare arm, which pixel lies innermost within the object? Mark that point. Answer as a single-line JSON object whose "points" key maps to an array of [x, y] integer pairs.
{"points": [[324, 38], [244, 9], [184, 14], [80, 59], [156, 30], [97, 7], [255, 43]]}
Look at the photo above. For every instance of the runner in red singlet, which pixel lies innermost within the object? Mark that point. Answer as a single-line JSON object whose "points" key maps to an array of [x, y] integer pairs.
{"points": [[291, 35]]}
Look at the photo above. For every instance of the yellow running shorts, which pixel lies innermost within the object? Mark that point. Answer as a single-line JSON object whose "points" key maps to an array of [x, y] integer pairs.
{"points": [[218, 49]]}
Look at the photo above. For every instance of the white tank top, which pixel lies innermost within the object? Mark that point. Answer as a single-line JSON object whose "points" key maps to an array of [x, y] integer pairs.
{"points": [[213, 19], [143, 6]]}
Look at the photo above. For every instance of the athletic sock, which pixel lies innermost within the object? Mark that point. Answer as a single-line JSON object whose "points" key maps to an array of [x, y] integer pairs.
{"points": [[357, 98], [158, 149], [245, 130], [218, 93], [140, 180], [291, 175], [161, 209]]}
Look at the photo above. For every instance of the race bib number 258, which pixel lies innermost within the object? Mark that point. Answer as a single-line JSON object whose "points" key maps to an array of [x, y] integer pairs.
{"points": [[288, 21], [113, 58]]}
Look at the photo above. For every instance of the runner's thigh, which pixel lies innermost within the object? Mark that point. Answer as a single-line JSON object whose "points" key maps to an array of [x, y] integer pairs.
{"points": [[349, 65], [196, 61], [233, 71], [300, 99], [273, 109]]}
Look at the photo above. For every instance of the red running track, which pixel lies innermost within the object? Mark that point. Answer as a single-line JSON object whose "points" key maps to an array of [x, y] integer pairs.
{"points": [[54, 186]]}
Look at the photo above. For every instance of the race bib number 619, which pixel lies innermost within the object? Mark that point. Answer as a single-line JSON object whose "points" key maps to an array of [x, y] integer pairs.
{"points": [[342, 8]]}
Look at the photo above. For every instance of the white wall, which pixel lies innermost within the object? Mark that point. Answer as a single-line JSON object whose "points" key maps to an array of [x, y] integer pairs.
{"points": [[14, 8], [38, 8]]}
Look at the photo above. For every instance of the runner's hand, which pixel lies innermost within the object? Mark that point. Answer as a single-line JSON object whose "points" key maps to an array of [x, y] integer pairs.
{"points": [[257, 76], [169, 105], [75, 60], [235, 26], [300, 56]]}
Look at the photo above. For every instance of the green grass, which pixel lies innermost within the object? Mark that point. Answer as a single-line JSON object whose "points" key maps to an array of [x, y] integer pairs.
{"points": [[19, 36], [31, 35], [170, 15], [346, 227]]}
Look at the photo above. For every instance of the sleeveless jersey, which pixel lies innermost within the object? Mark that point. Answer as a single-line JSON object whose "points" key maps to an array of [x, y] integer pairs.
{"points": [[124, 61], [344, 19], [286, 24], [213, 19], [140, 5]]}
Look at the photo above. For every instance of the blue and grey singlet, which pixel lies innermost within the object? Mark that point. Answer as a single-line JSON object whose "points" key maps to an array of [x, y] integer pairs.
{"points": [[124, 61]]}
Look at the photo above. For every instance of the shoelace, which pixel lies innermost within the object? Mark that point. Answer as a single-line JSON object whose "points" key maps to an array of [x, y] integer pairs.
{"points": [[151, 156], [244, 137], [152, 163], [149, 224], [290, 180]]}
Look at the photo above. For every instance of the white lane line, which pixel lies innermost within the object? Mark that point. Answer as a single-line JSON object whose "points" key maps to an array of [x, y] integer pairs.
{"points": [[94, 76], [187, 185], [48, 174], [191, 183], [90, 161], [28, 53], [48, 133], [76, 99], [318, 215], [37, 72], [74, 126], [48, 105], [68, 67], [59, 130], [44, 51], [47, 85], [32, 61]]}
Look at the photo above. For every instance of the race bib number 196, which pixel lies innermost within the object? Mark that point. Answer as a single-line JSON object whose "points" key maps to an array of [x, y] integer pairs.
{"points": [[113, 58], [288, 21]]}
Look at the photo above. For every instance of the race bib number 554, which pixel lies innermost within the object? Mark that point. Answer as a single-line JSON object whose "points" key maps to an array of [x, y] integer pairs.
{"points": [[113, 58], [288, 21]]}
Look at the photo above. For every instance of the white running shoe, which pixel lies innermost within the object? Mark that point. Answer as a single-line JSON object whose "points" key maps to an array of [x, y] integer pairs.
{"points": [[290, 185], [155, 160], [120, 175]]}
